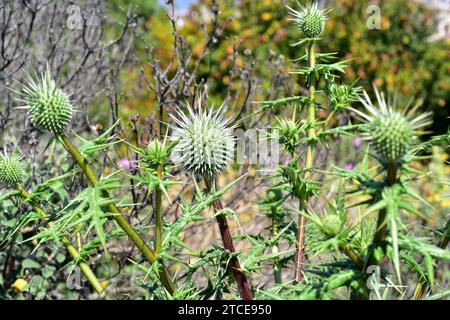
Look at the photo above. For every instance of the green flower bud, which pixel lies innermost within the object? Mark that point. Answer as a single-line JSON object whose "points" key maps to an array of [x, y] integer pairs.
{"points": [[341, 95], [157, 153], [204, 141], [49, 107], [310, 19], [331, 224], [288, 133], [11, 170], [274, 195]]}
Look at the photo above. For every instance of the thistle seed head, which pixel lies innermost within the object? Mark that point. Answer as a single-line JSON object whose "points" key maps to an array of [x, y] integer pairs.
{"points": [[392, 133], [49, 107], [11, 170], [205, 141], [310, 19]]}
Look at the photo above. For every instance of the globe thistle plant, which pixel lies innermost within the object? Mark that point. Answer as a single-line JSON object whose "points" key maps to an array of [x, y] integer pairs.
{"points": [[310, 19], [391, 132], [11, 170], [49, 107], [205, 141], [311, 22], [204, 147]]}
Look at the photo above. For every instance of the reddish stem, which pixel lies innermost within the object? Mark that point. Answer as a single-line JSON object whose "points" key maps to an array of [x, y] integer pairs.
{"points": [[234, 265]]}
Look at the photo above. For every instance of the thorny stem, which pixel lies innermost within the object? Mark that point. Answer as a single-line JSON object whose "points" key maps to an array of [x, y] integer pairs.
{"points": [[276, 261], [234, 265], [158, 196], [380, 233], [120, 219], [325, 123], [90, 275], [352, 255], [300, 254], [79, 245], [422, 285], [445, 236]]}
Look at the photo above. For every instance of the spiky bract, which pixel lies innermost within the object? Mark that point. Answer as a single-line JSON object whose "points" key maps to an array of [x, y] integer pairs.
{"points": [[341, 95], [49, 107], [310, 19], [157, 152], [205, 141], [288, 132], [391, 132], [11, 170]]}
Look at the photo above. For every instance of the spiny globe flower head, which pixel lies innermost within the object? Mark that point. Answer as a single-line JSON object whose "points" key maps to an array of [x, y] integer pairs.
{"points": [[392, 133], [11, 170], [49, 107], [310, 19], [204, 141]]}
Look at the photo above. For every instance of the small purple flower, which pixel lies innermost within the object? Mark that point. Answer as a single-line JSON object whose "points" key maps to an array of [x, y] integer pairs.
{"points": [[357, 142], [349, 165], [126, 164]]}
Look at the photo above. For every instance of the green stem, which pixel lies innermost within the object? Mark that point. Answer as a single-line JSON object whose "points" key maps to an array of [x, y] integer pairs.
{"points": [[380, 234], [445, 236], [381, 229], [276, 261], [90, 275], [300, 255], [325, 124], [120, 219], [158, 196], [352, 255]]}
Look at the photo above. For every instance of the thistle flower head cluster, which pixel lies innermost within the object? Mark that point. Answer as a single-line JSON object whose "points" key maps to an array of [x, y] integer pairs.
{"points": [[11, 170], [391, 132], [310, 19], [49, 107], [204, 139]]}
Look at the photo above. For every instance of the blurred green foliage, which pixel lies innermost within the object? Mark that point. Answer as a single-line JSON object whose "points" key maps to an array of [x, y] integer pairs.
{"points": [[144, 8]]}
